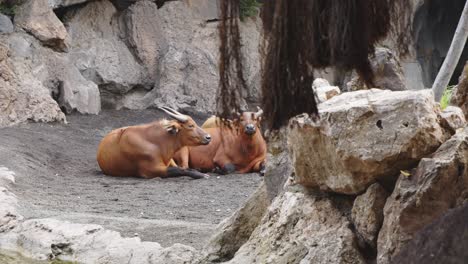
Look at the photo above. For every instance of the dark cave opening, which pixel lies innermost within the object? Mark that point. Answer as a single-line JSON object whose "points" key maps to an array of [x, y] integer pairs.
{"points": [[434, 24]]}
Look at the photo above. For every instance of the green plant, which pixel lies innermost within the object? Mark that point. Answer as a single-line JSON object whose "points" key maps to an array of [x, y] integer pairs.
{"points": [[444, 102], [8, 9], [248, 8]]}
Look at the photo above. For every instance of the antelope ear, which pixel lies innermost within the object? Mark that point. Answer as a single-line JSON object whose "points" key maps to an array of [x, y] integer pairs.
{"points": [[173, 129]]}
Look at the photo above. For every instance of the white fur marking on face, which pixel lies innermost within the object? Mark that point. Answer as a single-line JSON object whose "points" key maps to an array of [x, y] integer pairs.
{"points": [[165, 123], [169, 126]]}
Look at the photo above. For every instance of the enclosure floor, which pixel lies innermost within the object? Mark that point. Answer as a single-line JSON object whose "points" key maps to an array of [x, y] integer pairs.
{"points": [[57, 176]]}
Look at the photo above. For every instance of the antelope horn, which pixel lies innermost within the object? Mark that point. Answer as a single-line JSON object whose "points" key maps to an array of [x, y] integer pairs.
{"points": [[173, 113], [259, 112]]}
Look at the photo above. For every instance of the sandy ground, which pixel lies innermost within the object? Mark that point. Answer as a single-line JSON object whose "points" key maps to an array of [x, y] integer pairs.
{"points": [[57, 176]]}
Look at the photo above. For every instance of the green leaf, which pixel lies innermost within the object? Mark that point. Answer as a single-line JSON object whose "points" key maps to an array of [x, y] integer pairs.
{"points": [[248, 8], [445, 101]]}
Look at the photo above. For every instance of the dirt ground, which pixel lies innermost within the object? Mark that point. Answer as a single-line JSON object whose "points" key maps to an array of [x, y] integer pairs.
{"points": [[57, 176]]}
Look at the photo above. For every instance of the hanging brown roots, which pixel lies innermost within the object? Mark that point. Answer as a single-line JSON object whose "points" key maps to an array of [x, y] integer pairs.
{"points": [[300, 36]]}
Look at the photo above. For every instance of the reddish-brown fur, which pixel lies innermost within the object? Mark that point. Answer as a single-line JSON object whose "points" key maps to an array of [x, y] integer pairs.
{"points": [[246, 152], [146, 150]]}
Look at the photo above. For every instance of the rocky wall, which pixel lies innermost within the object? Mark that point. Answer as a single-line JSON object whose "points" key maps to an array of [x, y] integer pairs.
{"points": [[330, 211], [87, 55]]}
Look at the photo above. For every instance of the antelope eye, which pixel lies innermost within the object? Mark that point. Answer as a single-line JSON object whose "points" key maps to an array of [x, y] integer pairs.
{"points": [[191, 126]]}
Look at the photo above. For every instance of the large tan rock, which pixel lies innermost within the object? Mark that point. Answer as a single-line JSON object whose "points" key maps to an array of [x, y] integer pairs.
{"points": [[38, 18], [438, 184], [460, 94], [300, 227], [364, 136], [234, 231], [367, 213]]}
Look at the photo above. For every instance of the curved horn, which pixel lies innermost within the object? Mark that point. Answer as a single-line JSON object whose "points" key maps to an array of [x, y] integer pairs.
{"points": [[259, 112], [180, 117], [173, 110]]}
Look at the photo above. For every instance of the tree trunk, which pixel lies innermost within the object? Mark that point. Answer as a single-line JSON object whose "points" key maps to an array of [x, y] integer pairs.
{"points": [[453, 55]]}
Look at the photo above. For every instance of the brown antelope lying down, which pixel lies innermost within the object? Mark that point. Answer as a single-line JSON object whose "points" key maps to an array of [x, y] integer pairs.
{"points": [[146, 150], [241, 149]]}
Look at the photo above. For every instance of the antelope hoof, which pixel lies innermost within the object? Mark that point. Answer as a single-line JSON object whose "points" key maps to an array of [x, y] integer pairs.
{"points": [[262, 170]]}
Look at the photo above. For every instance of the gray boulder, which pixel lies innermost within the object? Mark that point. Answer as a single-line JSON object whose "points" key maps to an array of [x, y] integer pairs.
{"points": [[189, 69], [250, 30], [189, 73], [443, 241], [396, 130], [367, 213], [453, 118], [206, 9], [301, 227], [64, 3], [121, 53], [23, 97], [388, 73], [77, 93], [57, 73], [234, 231], [19, 46], [45, 239], [6, 26], [436, 185], [145, 36], [278, 167]]}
